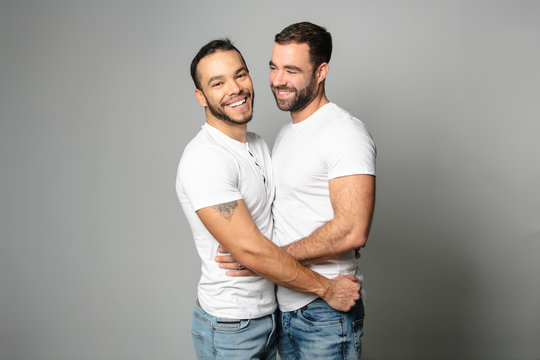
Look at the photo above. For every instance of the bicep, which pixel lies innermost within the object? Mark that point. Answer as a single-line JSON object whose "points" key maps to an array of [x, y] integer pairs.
{"points": [[353, 198], [230, 224]]}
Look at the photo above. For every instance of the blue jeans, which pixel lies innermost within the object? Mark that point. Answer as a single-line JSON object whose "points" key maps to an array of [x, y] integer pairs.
{"points": [[317, 331], [224, 338]]}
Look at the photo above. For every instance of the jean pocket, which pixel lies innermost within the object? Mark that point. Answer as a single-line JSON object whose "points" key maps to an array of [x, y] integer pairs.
{"points": [[200, 317], [230, 325], [198, 344], [320, 317]]}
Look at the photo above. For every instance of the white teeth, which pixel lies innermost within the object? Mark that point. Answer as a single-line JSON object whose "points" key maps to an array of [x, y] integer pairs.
{"points": [[238, 103]]}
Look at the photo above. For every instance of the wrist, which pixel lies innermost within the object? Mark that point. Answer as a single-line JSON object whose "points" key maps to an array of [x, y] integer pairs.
{"points": [[285, 248], [325, 288]]}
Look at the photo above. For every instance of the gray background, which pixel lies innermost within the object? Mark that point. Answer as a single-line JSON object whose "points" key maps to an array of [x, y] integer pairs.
{"points": [[96, 259]]}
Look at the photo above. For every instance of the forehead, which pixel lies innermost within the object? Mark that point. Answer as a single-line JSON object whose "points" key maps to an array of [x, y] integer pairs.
{"points": [[219, 63], [291, 54]]}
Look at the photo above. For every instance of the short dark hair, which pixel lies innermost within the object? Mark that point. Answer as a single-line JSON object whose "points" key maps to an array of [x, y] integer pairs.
{"points": [[318, 39], [208, 49]]}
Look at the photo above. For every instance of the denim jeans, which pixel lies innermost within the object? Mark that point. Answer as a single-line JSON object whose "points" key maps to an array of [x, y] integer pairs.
{"points": [[224, 338], [317, 331]]}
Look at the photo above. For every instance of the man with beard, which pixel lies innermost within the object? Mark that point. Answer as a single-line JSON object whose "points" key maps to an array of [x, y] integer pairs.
{"points": [[225, 187], [324, 167]]}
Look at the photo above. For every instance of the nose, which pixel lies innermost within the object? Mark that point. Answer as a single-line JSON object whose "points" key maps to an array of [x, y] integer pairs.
{"points": [[277, 78], [234, 87]]}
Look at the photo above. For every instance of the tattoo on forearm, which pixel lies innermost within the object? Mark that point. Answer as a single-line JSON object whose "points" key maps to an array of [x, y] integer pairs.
{"points": [[226, 209]]}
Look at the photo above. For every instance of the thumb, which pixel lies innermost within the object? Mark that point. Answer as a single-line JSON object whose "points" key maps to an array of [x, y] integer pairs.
{"points": [[350, 277]]}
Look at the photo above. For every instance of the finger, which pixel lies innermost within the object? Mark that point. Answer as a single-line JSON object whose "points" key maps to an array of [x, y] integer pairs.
{"points": [[222, 249], [355, 288], [237, 273], [229, 266], [225, 259]]}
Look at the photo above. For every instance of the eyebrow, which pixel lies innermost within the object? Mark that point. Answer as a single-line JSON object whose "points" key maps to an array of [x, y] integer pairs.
{"points": [[221, 77], [288, 67]]}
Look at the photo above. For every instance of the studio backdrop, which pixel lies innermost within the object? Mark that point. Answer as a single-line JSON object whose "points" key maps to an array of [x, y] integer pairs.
{"points": [[97, 104]]}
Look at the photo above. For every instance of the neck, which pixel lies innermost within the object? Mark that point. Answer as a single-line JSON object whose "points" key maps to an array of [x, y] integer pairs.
{"points": [[319, 101], [234, 131]]}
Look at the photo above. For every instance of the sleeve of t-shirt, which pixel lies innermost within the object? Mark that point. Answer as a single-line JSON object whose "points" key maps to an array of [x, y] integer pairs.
{"points": [[350, 150], [209, 177]]}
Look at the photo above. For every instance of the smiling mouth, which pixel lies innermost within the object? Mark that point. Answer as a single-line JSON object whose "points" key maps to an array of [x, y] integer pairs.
{"points": [[283, 91], [237, 103]]}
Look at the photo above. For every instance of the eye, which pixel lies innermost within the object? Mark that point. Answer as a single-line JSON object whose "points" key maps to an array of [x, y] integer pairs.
{"points": [[216, 84]]}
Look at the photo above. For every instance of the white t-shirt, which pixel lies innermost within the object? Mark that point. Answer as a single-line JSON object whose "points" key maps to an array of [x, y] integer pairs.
{"points": [[329, 144], [216, 169]]}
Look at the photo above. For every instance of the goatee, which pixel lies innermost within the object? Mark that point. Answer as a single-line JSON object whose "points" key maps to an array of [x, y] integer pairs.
{"points": [[301, 99], [219, 113]]}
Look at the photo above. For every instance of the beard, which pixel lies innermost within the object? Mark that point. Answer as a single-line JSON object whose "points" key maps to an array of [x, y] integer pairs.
{"points": [[218, 111], [300, 100]]}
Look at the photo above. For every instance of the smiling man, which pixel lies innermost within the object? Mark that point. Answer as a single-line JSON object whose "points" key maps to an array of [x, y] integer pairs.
{"points": [[324, 167], [225, 186]]}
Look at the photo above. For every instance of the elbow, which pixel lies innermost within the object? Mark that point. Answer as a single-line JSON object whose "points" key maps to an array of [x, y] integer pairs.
{"points": [[356, 239], [361, 242], [244, 257], [249, 253]]}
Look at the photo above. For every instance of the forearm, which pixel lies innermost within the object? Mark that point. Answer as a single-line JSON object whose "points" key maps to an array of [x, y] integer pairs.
{"points": [[327, 242], [270, 262], [277, 266], [232, 226], [353, 202], [248, 246]]}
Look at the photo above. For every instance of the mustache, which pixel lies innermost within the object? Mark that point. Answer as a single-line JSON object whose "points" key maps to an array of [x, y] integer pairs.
{"points": [[283, 88], [245, 93]]}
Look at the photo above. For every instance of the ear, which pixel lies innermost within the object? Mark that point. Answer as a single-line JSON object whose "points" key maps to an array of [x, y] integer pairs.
{"points": [[321, 73], [200, 97]]}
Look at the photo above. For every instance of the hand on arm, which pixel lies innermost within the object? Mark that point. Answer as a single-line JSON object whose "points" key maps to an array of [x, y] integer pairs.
{"points": [[231, 224], [353, 200], [226, 261]]}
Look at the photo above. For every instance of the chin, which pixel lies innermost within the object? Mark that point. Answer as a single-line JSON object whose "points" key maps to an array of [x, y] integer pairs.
{"points": [[284, 106]]}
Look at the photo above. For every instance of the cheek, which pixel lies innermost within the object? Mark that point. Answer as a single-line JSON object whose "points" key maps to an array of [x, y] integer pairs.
{"points": [[215, 98], [249, 85], [302, 84], [293, 82]]}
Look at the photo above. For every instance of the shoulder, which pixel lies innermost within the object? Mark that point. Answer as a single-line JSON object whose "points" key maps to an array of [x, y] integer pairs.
{"points": [[202, 152], [340, 125], [348, 146], [342, 117]]}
